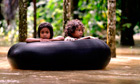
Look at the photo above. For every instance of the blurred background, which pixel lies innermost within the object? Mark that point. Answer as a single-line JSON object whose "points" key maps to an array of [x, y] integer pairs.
{"points": [[92, 13]]}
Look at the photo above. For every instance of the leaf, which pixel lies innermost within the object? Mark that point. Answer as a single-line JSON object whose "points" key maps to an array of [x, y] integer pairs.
{"points": [[128, 25]]}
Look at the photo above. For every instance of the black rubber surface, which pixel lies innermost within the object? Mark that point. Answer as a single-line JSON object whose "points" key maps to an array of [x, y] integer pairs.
{"points": [[60, 55]]}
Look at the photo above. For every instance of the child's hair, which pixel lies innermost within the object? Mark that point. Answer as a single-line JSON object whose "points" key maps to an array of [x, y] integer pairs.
{"points": [[45, 25], [71, 27]]}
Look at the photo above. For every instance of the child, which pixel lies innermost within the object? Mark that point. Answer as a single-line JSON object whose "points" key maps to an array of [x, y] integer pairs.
{"points": [[45, 33], [74, 31]]}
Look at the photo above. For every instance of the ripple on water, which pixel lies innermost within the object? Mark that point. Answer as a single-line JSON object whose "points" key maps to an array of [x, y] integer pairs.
{"points": [[9, 81]]}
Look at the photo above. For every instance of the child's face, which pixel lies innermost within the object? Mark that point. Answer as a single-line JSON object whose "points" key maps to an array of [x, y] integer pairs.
{"points": [[45, 33], [78, 33]]}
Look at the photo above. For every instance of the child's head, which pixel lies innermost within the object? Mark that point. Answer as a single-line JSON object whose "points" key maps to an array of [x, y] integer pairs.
{"points": [[74, 28], [45, 30]]}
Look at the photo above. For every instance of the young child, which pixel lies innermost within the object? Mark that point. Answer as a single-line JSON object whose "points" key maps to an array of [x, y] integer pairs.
{"points": [[45, 33], [74, 31]]}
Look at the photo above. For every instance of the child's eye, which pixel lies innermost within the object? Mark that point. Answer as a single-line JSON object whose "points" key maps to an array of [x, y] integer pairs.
{"points": [[47, 32], [42, 32], [81, 30], [78, 30]]}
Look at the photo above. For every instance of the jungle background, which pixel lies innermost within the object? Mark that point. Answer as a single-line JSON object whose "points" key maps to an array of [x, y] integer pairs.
{"points": [[123, 69], [92, 13]]}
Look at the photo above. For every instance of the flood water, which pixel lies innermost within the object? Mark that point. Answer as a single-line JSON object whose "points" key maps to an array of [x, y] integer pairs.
{"points": [[124, 69]]}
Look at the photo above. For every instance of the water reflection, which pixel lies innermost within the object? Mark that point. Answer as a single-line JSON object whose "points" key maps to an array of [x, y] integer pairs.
{"points": [[121, 70]]}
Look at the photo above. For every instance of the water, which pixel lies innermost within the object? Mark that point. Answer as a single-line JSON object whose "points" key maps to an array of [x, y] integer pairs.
{"points": [[124, 69]]}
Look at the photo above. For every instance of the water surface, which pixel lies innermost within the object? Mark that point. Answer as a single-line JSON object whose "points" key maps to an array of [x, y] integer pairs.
{"points": [[124, 69]]}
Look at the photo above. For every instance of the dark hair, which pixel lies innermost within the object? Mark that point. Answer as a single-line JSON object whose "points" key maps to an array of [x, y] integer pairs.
{"points": [[45, 25], [71, 27]]}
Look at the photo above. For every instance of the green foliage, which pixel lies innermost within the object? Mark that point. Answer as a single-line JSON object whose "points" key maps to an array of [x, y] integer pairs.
{"points": [[8, 34], [127, 25], [51, 11], [137, 28], [93, 14]]}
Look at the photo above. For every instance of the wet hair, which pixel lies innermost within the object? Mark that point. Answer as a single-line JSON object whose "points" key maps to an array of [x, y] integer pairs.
{"points": [[45, 25], [71, 27]]}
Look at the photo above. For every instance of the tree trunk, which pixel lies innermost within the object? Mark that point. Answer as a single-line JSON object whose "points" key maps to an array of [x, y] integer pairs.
{"points": [[130, 15], [22, 20], [67, 11], [34, 1], [74, 6], [1, 17], [111, 26]]}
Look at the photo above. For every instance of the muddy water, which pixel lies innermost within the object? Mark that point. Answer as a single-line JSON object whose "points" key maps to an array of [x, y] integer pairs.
{"points": [[124, 69]]}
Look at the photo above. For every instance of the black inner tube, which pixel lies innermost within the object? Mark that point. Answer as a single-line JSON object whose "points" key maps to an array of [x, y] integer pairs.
{"points": [[60, 55]]}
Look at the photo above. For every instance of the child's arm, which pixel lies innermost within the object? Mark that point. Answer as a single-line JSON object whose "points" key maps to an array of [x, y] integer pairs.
{"points": [[32, 40], [58, 38], [29, 40], [88, 37], [68, 38]]}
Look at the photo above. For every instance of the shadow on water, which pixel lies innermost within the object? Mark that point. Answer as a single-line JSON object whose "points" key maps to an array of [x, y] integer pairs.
{"points": [[124, 69]]}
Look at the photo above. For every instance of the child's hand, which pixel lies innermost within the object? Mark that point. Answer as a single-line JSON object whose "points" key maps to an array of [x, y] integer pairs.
{"points": [[87, 37], [91, 37], [70, 39], [44, 40]]}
